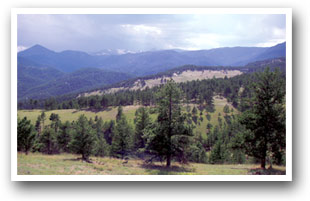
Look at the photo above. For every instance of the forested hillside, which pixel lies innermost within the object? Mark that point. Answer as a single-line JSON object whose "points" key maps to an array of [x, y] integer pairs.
{"points": [[75, 82]]}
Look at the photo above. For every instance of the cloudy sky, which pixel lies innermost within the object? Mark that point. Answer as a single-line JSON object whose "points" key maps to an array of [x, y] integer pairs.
{"points": [[139, 32]]}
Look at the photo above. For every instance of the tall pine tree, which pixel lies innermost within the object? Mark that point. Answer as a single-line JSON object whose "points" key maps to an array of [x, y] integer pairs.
{"points": [[83, 139], [142, 121], [266, 118], [25, 135], [168, 137]]}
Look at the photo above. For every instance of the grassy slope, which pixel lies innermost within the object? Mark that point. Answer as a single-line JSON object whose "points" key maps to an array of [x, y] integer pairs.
{"points": [[68, 164], [72, 114], [219, 106]]}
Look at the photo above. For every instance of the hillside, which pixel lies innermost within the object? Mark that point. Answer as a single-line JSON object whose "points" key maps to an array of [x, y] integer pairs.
{"points": [[178, 75], [31, 74], [77, 81], [189, 73]]}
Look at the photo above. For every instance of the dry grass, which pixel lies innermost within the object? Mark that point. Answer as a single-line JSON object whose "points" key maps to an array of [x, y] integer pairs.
{"points": [[68, 164]]}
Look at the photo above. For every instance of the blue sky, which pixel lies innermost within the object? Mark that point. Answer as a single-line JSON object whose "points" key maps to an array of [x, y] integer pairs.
{"points": [[144, 32]]}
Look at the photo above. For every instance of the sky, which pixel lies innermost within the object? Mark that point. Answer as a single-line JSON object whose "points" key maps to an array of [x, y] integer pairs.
{"points": [[145, 32]]}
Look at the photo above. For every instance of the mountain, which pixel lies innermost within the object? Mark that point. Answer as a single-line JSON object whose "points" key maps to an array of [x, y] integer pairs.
{"points": [[77, 81], [272, 52], [66, 61], [147, 63]]}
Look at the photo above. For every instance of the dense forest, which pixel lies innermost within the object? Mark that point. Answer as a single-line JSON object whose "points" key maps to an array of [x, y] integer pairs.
{"points": [[257, 134]]}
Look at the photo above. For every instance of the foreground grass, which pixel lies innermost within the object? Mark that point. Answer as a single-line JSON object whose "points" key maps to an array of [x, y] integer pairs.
{"points": [[68, 164]]}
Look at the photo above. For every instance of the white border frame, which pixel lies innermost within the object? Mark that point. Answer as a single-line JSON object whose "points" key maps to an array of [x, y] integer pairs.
{"points": [[286, 11]]}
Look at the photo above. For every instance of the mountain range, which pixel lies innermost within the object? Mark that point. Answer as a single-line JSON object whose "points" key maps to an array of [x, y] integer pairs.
{"points": [[43, 73], [147, 63]]}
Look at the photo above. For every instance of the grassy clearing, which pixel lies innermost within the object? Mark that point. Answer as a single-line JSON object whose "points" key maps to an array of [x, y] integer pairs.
{"points": [[73, 115], [68, 164], [129, 111], [219, 104]]}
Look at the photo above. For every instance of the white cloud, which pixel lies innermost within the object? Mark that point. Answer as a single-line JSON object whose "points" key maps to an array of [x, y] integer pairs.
{"points": [[147, 32], [208, 40], [270, 43], [280, 33], [142, 29], [21, 48]]}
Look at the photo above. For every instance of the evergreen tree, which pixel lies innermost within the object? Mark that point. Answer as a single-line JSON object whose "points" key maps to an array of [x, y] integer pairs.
{"points": [[119, 113], [25, 135], [168, 136], [55, 122], [108, 131], [194, 111], [122, 139], [43, 118], [48, 141], [226, 109], [64, 136], [101, 148], [209, 126], [266, 118], [208, 117], [83, 138], [38, 125], [142, 121]]}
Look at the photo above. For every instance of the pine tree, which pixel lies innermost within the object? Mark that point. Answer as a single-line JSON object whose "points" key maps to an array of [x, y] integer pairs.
{"points": [[142, 121], [25, 135], [119, 113], [101, 148], [108, 131], [64, 136], [169, 135], [122, 139], [266, 118], [48, 141], [83, 138], [38, 125], [56, 123], [226, 109], [43, 118]]}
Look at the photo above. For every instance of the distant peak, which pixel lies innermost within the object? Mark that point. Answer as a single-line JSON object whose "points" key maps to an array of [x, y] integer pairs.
{"points": [[37, 46], [35, 50]]}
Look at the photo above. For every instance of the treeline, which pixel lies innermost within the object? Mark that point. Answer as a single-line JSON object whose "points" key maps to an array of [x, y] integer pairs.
{"points": [[257, 134]]}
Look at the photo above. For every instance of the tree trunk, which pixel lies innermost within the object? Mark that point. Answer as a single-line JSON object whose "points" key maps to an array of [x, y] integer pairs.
{"points": [[84, 157], [168, 160], [169, 132], [263, 163]]}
